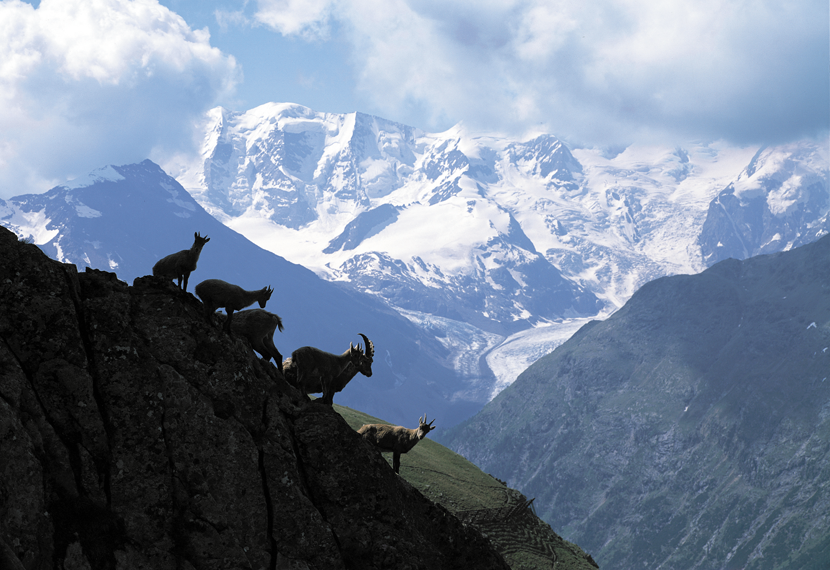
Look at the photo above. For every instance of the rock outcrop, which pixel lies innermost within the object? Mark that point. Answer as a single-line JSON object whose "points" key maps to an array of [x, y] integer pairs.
{"points": [[134, 434]]}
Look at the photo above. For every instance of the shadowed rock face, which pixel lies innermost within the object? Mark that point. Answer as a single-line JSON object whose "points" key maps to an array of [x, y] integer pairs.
{"points": [[136, 434], [689, 430]]}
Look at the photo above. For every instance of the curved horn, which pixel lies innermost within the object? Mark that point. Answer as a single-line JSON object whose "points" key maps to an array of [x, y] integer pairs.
{"points": [[370, 347]]}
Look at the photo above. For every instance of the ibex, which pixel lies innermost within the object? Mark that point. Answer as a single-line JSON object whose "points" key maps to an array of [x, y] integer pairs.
{"points": [[313, 370], [258, 326], [181, 264], [216, 294], [396, 439]]}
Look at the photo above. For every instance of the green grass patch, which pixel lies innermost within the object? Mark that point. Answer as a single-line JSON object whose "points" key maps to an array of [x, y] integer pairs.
{"points": [[446, 478]]}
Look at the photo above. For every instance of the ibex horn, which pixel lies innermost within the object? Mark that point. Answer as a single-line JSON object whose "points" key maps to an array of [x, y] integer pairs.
{"points": [[370, 348]]}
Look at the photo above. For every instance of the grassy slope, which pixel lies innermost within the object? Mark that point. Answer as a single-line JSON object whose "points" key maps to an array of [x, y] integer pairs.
{"points": [[446, 478]]}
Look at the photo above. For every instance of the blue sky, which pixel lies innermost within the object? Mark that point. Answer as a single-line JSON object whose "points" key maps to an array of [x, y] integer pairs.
{"points": [[85, 83]]}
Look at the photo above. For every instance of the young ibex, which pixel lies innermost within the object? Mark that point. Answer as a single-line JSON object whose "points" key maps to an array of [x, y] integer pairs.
{"points": [[396, 439], [181, 264], [258, 326], [216, 294], [313, 370]]}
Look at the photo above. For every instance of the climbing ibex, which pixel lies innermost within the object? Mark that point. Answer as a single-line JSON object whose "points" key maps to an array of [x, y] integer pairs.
{"points": [[181, 264], [396, 439], [312, 370], [258, 326], [216, 294]]}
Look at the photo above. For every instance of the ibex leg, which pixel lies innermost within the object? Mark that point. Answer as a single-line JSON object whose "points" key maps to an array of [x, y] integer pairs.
{"points": [[272, 351]]}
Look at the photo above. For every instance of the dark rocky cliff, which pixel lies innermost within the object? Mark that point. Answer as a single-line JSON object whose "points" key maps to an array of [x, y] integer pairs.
{"points": [[134, 434]]}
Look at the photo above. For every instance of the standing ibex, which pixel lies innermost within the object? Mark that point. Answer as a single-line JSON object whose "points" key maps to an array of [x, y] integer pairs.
{"points": [[181, 264], [258, 326], [216, 294], [312, 370], [396, 439]]}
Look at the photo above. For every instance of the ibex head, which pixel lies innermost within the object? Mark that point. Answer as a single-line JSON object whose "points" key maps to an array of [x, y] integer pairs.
{"points": [[425, 427], [363, 360], [200, 241], [266, 294]]}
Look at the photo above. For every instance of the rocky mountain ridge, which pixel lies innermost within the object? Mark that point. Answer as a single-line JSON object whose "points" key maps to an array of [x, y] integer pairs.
{"points": [[136, 434], [691, 429]]}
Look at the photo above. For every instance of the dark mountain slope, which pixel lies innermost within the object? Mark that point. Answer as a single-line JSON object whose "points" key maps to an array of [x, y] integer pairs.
{"points": [[691, 429], [136, 434]]}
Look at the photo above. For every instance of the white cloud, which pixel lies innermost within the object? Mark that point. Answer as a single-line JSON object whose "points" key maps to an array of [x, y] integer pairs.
{"points": [[85, 83], [308, 18], [607, 70]]}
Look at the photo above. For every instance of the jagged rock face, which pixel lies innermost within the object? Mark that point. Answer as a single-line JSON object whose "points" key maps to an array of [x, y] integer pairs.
{"points": [[136, 434]]}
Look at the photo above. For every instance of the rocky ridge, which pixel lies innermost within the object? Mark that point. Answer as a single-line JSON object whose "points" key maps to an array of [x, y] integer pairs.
{"points": [[138, 435], [689, 429]]}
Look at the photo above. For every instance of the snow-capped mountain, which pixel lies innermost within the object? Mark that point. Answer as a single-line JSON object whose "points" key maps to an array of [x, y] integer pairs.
{"points": [[403, 214], [495, 249], [778, 202], [125, 218], [459, 228]]}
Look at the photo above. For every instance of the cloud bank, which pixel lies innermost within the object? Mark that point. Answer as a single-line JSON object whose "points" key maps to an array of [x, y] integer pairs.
{"points": [[85, 83], [600, 72]]}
